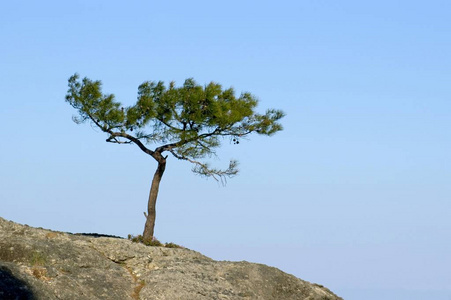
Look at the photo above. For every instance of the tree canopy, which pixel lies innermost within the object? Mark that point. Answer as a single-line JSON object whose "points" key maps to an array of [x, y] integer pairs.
{"points": [[188, 121]]}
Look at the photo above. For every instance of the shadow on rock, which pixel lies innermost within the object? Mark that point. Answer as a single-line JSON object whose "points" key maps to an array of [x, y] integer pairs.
{"points": [[12, 288]]}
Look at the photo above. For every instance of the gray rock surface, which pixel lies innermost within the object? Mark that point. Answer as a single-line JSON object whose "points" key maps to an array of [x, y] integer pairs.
{"points": [[41, 264]]}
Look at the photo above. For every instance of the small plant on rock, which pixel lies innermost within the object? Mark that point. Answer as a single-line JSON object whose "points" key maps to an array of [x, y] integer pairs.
{"points": [[154, 242], [172, 245], [140, 239]]}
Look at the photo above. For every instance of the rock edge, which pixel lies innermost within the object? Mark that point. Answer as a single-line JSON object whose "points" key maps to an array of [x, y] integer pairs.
{"points": [[42, 264]]}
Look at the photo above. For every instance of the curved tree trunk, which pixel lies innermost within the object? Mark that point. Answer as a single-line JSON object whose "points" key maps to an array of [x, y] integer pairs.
{"points": [[151, 212]]}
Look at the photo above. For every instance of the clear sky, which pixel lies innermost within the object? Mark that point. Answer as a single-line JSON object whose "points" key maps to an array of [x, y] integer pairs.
{"points": [[354, 194]]}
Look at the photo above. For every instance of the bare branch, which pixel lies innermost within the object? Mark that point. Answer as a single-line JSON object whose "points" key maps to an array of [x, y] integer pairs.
{"points": [[134, 140], [112, 139]]}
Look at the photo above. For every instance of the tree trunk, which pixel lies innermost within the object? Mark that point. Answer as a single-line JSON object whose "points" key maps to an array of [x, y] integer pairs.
{"points": [[151, 211]]}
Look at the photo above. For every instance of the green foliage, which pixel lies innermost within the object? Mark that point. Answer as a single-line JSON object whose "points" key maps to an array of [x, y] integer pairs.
{"points": [[172, 245], [140, 239], [154, 242], [188, 121]]}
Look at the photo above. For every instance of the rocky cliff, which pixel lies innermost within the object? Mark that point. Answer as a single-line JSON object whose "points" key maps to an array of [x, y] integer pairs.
{"points": [[43, 265]]}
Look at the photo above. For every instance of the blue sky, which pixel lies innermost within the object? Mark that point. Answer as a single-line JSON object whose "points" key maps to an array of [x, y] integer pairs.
{"points": [[354, 194]]}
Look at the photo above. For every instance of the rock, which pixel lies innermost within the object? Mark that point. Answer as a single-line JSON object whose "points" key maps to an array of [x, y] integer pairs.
{"points": [[40, 264]]}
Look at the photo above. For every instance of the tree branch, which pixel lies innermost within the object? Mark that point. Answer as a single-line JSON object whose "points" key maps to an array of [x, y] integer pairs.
{"points": [[169, 147], [112, 139], [136, 141], [170, 126], [204, 170], [113, 135]]}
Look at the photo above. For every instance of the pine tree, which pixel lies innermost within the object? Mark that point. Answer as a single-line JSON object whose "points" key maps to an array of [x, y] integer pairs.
{"points": [[188, 122]]}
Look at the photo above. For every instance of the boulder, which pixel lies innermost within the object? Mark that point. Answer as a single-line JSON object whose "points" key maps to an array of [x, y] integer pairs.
{"points": [[42, 264]]}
